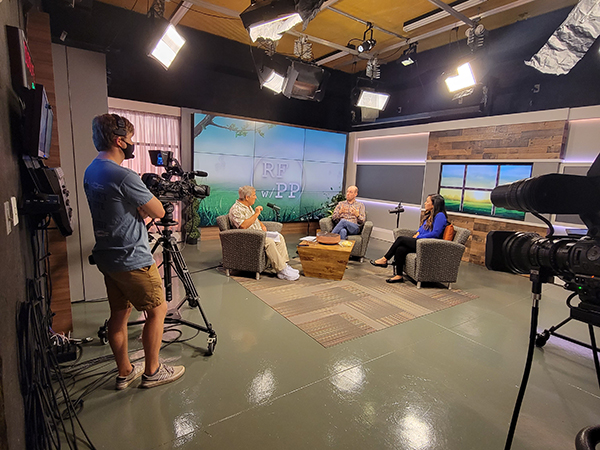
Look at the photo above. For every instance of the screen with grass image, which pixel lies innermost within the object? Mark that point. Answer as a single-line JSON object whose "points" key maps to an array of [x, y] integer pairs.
{"points": [[297, 169], [467, 187]]}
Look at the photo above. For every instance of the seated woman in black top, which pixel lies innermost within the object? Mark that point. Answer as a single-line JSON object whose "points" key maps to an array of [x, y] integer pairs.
{"points": [[433, 225]]}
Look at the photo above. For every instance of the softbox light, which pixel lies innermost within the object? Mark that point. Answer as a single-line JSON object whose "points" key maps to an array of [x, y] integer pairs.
{"points": [[462, 80], [372, 100], [272, 80], [168, 46], [305, 82], [269, 19]]}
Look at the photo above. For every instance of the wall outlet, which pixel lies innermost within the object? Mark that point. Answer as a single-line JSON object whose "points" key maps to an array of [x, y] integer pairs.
{"points": [[15, 211], [7, 211]]}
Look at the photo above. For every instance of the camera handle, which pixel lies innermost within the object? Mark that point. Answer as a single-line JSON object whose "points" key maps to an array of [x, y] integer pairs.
{"points": [[537, 277]]}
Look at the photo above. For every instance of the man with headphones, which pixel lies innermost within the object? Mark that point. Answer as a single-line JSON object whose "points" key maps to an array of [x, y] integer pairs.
{"points": [[119, 202]]}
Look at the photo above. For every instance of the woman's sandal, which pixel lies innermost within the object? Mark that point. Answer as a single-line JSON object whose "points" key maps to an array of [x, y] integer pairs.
{"points": [[378, 264]]}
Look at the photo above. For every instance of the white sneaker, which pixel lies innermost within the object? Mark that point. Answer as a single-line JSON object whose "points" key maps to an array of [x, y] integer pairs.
{"points": [[165, 374], [291, 269], [288, 274]]}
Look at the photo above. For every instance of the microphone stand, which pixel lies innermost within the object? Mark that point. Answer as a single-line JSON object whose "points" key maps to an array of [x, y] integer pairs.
{"points": [[308, 215], [276, 209], [399, 210]]}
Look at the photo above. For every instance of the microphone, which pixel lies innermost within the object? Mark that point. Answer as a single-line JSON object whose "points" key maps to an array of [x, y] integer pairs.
{"points": [[399, 209], [274, 207], [200, 173]]}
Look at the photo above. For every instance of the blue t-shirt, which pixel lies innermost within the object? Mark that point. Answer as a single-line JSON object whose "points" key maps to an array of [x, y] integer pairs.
{"points": [[114, 193], [439, 223]]}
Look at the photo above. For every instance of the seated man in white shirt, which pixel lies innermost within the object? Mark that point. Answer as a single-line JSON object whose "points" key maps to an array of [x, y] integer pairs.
{"points": [[241, 215]]}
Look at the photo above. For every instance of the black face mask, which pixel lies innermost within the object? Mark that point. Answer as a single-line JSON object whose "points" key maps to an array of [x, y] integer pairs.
{"points": [[128, 151]]}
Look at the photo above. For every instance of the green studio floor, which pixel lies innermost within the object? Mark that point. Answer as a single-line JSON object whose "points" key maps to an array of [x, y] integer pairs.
{"points": [[447, 380]]}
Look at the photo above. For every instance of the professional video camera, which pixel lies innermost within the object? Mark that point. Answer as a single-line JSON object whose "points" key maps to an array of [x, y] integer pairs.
{"points": [[167, 190], [575, 261]]}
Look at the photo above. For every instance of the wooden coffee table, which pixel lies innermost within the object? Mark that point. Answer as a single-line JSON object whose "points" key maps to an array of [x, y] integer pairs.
{"points": [[324, 261]]}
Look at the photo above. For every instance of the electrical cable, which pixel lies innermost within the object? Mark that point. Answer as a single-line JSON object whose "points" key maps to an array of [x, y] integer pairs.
{"points": [[189, 8], [42, 385]]}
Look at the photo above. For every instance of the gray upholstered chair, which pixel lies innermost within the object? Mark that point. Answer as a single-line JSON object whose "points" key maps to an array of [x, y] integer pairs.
{"points": [[244, 249], [436, 260], [361, 241]]}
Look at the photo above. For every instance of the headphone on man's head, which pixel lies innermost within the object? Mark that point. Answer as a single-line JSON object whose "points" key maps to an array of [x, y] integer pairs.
{"points": [[121, 130]]}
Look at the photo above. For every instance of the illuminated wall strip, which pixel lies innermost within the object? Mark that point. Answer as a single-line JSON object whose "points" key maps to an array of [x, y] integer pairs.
{"points": [[391, 136]]}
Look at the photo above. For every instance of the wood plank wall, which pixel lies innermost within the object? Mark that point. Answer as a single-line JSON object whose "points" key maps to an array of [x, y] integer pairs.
{"points": [[480, 227], [538, 140], [40, 44]]}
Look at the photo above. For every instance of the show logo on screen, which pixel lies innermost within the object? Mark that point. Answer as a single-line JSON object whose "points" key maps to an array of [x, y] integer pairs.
{"points": [[297, 169]]}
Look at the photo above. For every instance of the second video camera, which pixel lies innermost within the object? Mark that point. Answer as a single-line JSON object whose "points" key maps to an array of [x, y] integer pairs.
{"points": [[168, 190], [575, 261]]}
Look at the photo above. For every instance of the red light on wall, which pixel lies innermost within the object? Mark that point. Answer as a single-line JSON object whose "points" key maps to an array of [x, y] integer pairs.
{"points": [[21, 63]]}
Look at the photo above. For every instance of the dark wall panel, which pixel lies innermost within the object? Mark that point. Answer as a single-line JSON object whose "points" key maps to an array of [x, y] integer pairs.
{"points": [[392, 183], [15, 249]]}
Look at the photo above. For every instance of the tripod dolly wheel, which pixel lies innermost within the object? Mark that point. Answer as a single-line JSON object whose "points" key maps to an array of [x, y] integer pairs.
{"points": [[103, 333], [211, 343], [542, 338]]}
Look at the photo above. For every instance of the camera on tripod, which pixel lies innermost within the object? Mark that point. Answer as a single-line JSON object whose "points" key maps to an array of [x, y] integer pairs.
{"points": [[575, 261], [167, 190]]}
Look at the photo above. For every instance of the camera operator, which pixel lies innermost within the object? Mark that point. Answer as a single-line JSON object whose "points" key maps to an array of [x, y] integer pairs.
{"points": [[119, 202]]}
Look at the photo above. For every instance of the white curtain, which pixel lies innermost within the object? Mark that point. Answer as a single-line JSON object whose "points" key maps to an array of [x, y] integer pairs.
{"points": [[152, 132]]}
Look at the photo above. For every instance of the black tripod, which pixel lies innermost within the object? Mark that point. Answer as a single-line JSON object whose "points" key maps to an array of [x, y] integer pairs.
{"points": [[584, 312], [173, 259]]}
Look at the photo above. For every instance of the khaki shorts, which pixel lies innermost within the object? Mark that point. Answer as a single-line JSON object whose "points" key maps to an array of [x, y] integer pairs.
{"points": [[141, 288]]}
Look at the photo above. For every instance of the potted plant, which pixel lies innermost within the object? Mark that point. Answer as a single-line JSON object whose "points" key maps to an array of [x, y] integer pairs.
{"points": [[192, 222]]}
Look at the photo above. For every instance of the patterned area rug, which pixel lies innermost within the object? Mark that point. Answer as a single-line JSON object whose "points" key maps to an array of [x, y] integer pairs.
{"points": [[332, 312]]}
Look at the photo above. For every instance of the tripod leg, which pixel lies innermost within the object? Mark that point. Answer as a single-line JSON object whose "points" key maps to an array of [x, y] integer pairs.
{"points": [[536, 291], [188, 284], [594, 351], [184, 275]]}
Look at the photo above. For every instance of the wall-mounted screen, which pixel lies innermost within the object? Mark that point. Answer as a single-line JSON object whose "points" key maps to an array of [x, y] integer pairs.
{"points": [[467, 187], [297, 169]]}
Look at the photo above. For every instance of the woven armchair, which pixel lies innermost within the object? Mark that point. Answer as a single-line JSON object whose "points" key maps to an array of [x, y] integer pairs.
{"points": [[361, 241], [436, 260], [244, 249]]}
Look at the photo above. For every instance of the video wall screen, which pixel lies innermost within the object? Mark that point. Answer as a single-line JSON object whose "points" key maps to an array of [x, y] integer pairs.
{"points": [[297, 169], [467, 187]]}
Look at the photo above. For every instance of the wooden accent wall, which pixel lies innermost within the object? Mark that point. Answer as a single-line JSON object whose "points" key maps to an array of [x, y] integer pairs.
{"points": [[538, 140], [40, 45], [480, 227]]}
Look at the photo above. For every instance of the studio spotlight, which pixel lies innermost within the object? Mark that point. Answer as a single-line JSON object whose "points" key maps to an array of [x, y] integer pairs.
{"points": [[367, 43], [168, 46], [465, 79], [371, 99], [408, 56], [273, 81], [269, 19], [366, 46]]}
